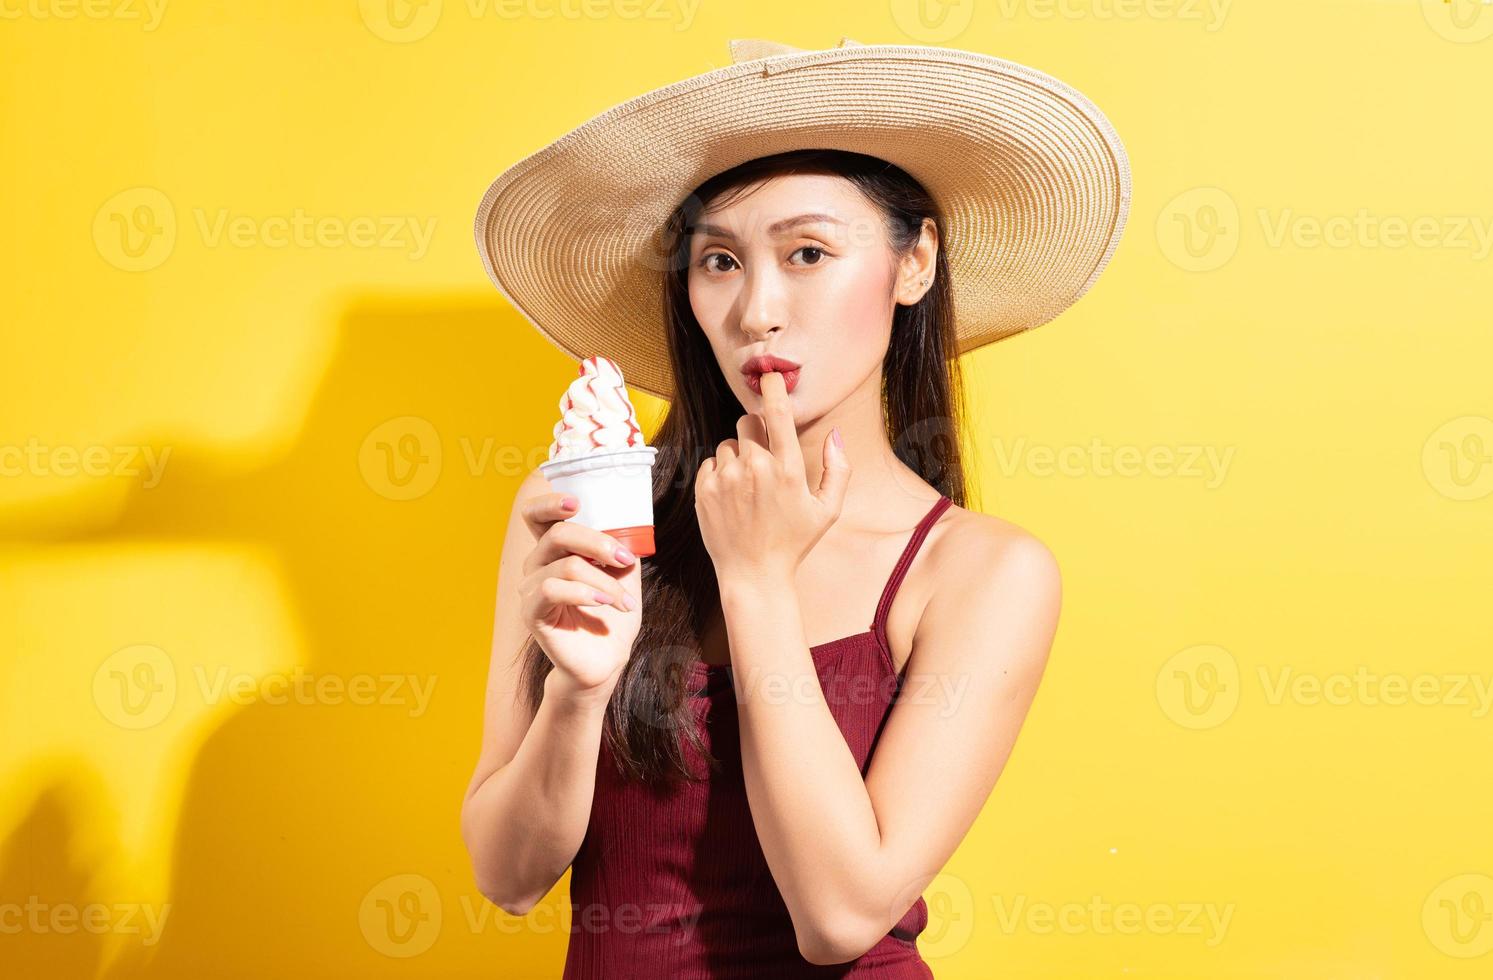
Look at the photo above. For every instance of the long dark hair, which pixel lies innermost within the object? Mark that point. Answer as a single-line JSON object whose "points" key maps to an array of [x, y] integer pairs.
{"points": [[922, 394]]}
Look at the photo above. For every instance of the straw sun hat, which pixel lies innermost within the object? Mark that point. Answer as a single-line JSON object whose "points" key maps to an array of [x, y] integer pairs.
{"points": [[1033, 181]]}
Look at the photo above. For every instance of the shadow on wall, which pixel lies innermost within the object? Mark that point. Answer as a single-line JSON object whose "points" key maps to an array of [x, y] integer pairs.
{"points": [[319, 837]]}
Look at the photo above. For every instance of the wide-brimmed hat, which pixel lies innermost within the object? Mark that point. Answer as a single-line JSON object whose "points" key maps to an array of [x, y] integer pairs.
{"points": [[1032, 180]]}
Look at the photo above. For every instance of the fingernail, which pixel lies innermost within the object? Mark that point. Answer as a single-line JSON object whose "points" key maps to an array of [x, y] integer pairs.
{"points": [[568, 503], [835, 435], [603, 598], [629, 602], [624, 556]]}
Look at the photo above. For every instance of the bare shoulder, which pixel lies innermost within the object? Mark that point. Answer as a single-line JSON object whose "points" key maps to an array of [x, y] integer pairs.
{"points": [[974, 540], [988, 573]]}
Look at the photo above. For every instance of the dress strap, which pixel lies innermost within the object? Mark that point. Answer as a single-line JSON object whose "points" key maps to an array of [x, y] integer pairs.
{"points": [[883, 608]]}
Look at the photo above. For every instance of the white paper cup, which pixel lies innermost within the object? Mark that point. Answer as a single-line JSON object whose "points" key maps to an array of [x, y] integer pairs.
{"points": [[615, 490]]}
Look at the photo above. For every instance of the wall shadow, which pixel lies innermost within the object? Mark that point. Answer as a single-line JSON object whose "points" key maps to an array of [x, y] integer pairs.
{"points": [[295, 812]]}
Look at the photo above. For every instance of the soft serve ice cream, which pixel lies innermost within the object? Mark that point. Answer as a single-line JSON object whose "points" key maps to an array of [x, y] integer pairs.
{"points": [[598, 455], [596, 415]]}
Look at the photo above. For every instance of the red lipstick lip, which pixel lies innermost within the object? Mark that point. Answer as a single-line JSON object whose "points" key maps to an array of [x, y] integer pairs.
{"points": [[763, 363], [790, 381], [757, 366]]}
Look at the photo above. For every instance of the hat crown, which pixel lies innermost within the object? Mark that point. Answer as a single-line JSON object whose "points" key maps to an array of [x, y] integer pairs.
{"points": [[752, 48]]}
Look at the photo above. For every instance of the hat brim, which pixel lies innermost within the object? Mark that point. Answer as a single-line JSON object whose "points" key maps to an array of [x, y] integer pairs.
{"points": [[1032, 178]]}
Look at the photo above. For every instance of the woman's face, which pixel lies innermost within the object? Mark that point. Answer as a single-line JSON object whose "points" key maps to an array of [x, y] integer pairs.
{"points": [[799, 267]]}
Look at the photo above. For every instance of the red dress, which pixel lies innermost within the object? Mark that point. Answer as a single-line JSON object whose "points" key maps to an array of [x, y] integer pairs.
{"points": [[674, 885]]}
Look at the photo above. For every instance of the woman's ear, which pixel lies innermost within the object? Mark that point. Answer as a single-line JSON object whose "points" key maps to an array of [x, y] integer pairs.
{"points": [[915, 270]]}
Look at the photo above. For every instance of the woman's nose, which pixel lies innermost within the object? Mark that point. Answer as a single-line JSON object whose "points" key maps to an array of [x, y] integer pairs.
{"points": [[762, 305]]}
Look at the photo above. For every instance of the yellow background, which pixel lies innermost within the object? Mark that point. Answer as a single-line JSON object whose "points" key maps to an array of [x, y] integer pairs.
{"points": [[1341, 384]]}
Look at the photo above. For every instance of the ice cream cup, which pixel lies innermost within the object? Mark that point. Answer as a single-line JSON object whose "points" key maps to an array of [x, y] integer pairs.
{"points": [[615, 490]]}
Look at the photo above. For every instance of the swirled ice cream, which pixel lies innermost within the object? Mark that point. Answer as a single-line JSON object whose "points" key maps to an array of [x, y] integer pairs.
{"points": [[596, 415], [599, 457]]}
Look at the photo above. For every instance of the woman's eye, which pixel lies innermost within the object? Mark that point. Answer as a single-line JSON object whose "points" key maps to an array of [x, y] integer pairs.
{"points": [[812, 255]]}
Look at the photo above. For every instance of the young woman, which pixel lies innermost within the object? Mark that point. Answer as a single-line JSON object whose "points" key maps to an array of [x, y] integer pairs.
{"points": [[756, 748]]}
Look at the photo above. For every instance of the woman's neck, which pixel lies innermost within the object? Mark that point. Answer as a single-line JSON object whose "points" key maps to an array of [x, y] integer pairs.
{"points": [[882, 489]]}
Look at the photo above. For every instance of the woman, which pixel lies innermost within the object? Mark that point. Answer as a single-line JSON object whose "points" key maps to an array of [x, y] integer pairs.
{"points": [[757, 749]]}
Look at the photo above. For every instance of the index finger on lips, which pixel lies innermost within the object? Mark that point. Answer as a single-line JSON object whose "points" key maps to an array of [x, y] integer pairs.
{"points": [[777, 414], [750, 432]]}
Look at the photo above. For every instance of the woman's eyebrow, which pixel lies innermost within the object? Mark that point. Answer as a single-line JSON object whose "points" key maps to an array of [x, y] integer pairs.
{"points": [[776, 228]]}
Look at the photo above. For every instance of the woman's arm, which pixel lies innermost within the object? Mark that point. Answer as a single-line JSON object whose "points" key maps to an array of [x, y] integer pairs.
{"points": [[524, 822], [850, 856], [528, 805]]}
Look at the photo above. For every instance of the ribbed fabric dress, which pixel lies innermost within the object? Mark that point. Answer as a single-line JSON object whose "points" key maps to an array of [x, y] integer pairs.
{"points": [[675, 885]]}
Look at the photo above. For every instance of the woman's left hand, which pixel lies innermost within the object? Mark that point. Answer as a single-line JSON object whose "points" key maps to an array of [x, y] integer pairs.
{"points": [[757, 515]]}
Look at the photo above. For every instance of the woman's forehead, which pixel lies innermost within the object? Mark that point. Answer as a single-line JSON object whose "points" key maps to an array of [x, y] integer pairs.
{"points": [[776, 207]]}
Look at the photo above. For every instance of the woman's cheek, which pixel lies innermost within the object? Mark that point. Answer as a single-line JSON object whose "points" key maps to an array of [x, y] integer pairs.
{"points": [[857, 309], [862, 298], [707, 316]]}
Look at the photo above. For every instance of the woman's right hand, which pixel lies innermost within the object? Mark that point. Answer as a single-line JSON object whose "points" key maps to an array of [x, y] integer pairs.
{"points": [[575, 610]]}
